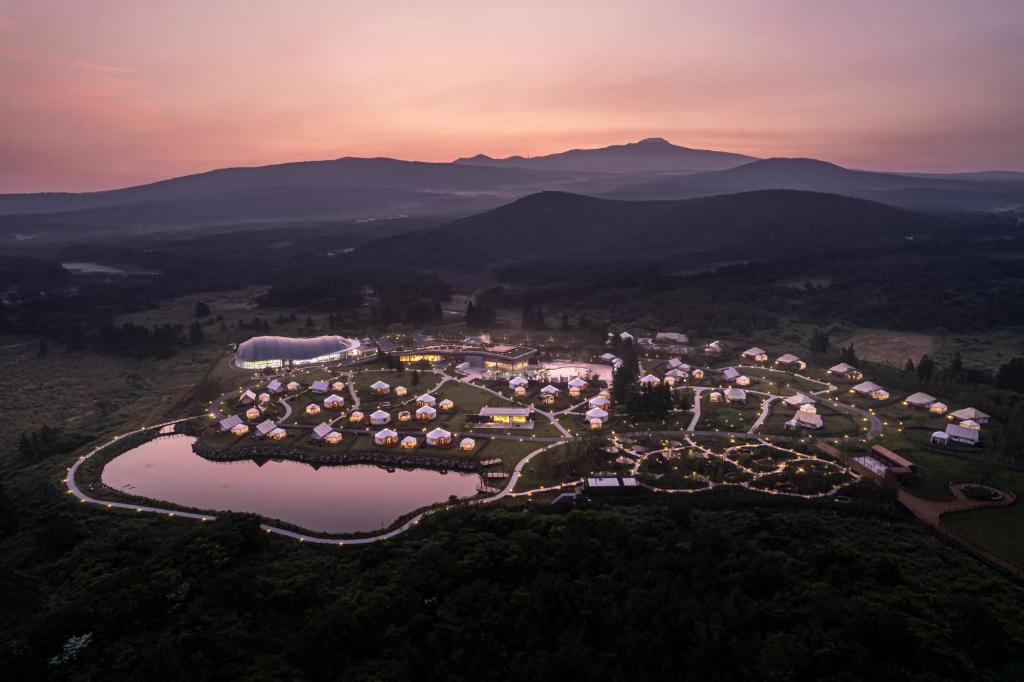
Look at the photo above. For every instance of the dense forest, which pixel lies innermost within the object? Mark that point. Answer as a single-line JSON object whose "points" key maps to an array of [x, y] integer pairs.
{"points": [[642, 592]]}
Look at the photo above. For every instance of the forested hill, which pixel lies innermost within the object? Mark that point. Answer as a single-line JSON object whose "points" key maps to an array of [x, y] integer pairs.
{"points": [[749, 225]]}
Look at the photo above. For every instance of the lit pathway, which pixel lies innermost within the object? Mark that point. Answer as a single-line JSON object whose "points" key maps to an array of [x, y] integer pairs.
{"points": [[766, 408]]}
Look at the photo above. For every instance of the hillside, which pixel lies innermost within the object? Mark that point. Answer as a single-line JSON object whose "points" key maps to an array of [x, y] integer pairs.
{"points": [[651, 155], [932, 192], [752, 225]]}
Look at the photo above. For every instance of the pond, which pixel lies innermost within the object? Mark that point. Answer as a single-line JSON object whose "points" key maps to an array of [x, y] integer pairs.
{"points": [[331, 499]]}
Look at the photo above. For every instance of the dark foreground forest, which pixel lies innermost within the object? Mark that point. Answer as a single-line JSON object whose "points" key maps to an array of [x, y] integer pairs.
{"points": [[640, 592]]}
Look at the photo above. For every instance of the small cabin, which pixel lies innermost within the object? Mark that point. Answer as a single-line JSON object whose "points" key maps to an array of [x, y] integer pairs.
{"points": [[385, 437], [379, 417], [467, 444], [425, 413], [446, 405], [379, 387], [439, 437], [312, 408]]}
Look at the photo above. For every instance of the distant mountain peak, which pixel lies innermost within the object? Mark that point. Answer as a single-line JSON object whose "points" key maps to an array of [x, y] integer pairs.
{"points": [[654, 141]]}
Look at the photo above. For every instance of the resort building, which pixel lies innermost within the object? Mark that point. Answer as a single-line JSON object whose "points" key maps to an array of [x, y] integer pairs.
{"points": [[650, 381], [426, 399], [380, 387], [919, 400], [247, 398], [505, 416], [425, 413], [957, 434], [320, 431], [261, 352], [713, 348], [730, 374], [804, 420], [252, 414], [870, 389], [735, 395], [674, 376], [356, 417], [847, 371], [439, 437], [334, 402], [312, 409], [798, 400], [671, 338], [401, 391], [596, 417], [270, 430], [467, 444], [320, 386], [498, 357], [517, 383], [755, 354], [274, 387], [971, 413], [332, 438], [446, 405], [379, 417], [228, 423], [790, 360], [385, 437], [409, 442], [549, 390], [970, 424]]}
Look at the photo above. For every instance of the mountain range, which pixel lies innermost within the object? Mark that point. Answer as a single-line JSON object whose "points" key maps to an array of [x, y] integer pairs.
{"points": [[376, 188]]}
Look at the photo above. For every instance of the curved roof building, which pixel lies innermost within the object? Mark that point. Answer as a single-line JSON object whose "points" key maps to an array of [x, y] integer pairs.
{"points": [[260, 352]]}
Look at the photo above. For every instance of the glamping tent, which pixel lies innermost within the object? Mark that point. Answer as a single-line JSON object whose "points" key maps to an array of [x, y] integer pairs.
{"points": [[439, 437], [379, 417], [385, 437], [425, 413]]}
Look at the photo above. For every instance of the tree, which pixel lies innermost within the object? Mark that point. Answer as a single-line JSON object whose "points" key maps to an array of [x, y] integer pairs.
{"points": [[925, 368], [1011, 375], [819, 342], [908, 367], [202, 309], [195, 334], [309, 323], [848, 354], [956, 368]]}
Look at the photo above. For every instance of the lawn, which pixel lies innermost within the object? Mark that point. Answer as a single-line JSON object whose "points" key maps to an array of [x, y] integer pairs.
{"points": [[1000, 529]]}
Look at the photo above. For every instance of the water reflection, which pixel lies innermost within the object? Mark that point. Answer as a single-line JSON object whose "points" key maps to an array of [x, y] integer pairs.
{"points": [[340, 499]]}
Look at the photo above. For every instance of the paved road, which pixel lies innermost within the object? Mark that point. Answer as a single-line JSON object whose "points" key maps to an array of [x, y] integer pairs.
{"points": [[766, 407]]}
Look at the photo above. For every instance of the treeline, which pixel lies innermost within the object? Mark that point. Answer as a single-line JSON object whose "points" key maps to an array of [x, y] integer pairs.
{"points": [[131, 339]]}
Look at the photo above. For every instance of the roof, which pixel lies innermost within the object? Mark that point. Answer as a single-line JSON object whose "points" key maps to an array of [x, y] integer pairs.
{"points": [[957, 431], [409, 439], [754, 350], [798, 399], [426, 409], [379, 384], [549, 390], [489, 411], [735, 394], [599, 401], [274, 385], [228, 423], [788, 358], [969, 413], [919, 398], [517, 381], [265, 427], [320, 385], [867, 387], [730, 373], [608, 356], [596, 413], [672, 336], [649, 379], [467, 441], [439, 433], [386, 433], [287, 348], [426, 398], [577, 383], [809, 419], [377, 414], [322, 430], [334, 398], [891, 457], [842, 368]]}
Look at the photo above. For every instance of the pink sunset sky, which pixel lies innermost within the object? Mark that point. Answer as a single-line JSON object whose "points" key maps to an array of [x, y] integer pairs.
{"points": [[99, 94]]}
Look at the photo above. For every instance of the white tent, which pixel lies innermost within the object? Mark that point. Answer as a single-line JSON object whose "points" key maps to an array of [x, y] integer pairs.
{"points": [[379, 417], [229, 423], [385, 437], [549, 390], [597, 413], [380, 387], [650, 380], [971, 413], [798, 400], [467, 444], [577, 383], [409, 442], [735, 395], [517, 382], [247, 398], [919, 399], [599, 401], [275, 386], [334, 402], [320, 386], [265, 427], [426, 399], [438, 437], [425, 413], [321, 431]]}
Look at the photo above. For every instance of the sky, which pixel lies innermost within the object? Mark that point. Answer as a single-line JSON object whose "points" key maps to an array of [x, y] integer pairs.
{"points": [[96, 94]]}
